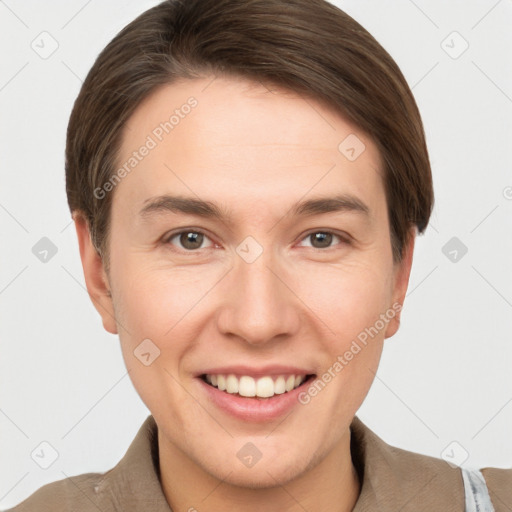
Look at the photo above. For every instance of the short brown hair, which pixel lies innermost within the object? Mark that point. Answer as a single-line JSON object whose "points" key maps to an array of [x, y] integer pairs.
{"points": [[307, 46]]}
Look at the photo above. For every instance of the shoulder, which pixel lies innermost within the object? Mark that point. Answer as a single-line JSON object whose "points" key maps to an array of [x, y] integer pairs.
{"points": [[76, 493], [132, 484], [409, 481], [499, 484], [397, 479], [379, 457]]}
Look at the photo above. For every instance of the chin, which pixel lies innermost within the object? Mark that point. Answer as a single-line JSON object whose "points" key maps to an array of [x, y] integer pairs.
{"points": [[273, 472], [264, 478]]}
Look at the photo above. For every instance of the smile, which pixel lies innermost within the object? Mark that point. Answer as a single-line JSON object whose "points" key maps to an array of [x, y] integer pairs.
{"points": [[263, 387]]}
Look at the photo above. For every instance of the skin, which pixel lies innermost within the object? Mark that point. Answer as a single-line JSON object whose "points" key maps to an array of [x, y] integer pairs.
{"points": [[256, 153]]}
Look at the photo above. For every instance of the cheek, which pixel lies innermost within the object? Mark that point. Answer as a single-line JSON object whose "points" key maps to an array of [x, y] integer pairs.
{"points": [[167, 306], [348, 305], [346, 298], [156, 309], [153, 299]]}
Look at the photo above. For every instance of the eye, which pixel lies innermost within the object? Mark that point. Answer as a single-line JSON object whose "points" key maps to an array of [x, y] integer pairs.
{"points": [[193, 240], [189, 240], [323, 239]]}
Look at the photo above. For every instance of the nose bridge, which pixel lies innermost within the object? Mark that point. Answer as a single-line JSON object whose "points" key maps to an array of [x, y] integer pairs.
{"points": [[258, 305]]}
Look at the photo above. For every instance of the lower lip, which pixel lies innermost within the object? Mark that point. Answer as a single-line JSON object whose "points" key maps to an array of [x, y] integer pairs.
{"points": [[254, 409]]}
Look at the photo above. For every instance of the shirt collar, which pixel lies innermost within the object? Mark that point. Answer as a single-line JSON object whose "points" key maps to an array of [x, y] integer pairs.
{"points": [[134, 483], [395, 479], [391, 478]]}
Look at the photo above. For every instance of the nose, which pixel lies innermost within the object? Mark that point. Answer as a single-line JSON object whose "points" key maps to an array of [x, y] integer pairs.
{"points": [[258, 304]]}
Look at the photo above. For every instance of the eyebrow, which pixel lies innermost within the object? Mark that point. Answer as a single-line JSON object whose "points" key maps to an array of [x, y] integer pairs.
{"points": [[208, 209]]}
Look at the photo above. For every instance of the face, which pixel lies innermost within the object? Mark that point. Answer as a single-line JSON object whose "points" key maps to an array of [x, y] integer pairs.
{"points": [[267, 267]]}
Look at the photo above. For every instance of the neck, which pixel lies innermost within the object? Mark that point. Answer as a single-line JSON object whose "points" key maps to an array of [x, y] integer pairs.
{"points": [[330, 485]]}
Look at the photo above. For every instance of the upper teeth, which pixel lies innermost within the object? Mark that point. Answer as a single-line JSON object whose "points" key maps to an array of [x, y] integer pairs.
{"points": [[263, 387]]}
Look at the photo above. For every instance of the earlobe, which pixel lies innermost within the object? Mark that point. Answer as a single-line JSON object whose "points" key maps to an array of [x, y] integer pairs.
{"points": [[401, 282], [95, 276]]}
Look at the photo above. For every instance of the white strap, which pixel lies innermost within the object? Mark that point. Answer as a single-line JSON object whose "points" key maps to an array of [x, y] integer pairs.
{"points": [[476, 492]]}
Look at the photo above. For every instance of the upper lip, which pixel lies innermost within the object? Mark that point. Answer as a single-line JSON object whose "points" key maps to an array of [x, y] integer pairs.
{"points": [[271, 370]]}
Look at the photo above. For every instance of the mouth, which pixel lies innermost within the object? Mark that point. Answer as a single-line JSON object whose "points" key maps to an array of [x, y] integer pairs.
{"points": [[262, 387]]}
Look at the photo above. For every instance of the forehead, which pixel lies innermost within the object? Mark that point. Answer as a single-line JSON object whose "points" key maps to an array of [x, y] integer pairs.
{"points": [[239, 138]]}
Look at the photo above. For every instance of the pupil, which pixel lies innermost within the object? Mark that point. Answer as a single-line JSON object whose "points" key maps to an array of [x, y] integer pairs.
{"points": [[323, 238], [191, 240]]}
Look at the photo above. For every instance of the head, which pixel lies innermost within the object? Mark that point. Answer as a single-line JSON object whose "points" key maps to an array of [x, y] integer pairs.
{"points": [[247, 179]]}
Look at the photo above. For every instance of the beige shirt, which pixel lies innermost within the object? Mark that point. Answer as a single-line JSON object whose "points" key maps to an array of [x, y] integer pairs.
{"points": [[391, 479]]}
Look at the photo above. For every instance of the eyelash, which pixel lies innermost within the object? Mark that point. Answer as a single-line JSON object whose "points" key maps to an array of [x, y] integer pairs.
{"points": [[345, 240]]}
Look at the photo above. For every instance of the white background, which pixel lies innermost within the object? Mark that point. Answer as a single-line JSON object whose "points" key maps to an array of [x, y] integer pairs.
{"points": [[445, 376]]}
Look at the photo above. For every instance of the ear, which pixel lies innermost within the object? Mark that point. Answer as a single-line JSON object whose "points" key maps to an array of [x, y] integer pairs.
{"points": [[96, 278], [402, 271]]}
